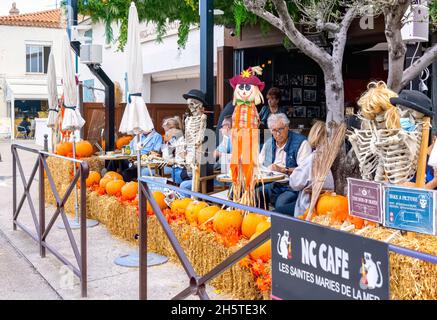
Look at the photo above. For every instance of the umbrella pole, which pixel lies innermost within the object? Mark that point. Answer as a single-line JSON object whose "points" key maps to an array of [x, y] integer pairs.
{"points": [[138, 160], [76, 205]]}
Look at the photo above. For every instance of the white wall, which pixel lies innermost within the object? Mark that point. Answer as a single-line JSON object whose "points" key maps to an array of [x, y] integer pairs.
{"points": [[172, 91]]}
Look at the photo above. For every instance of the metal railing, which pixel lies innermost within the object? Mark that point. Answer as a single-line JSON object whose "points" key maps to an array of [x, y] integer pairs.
{"points": [[197, 283], [42, 229]]}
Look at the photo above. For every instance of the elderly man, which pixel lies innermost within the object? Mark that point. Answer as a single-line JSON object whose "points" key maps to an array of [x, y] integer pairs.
{"points": [[282, 153]]}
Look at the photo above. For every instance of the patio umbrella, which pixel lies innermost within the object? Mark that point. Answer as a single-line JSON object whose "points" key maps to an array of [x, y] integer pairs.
{"points": [[136, 119], [52, 98], [72, 120]]}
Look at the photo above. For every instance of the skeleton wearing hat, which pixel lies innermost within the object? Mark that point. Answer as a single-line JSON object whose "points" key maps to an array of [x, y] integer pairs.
{"points": [[245, 136], [388, 144]]}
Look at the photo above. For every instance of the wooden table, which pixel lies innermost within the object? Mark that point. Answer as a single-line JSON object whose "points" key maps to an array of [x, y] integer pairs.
{"points": [[265, 178]]}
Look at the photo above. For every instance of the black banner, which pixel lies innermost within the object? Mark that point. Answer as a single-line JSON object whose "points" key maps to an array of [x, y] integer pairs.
{"points": [[315, 262]]}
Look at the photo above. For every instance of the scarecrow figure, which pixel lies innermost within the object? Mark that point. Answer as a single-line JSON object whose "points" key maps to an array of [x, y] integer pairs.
{"points": [[245, 134]]}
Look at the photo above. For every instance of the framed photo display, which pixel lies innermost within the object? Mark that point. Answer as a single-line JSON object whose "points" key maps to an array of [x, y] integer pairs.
{"points": [[310, 80], [297, 95], [313, 112], [299, 112], [296, 80], [310, 95]]}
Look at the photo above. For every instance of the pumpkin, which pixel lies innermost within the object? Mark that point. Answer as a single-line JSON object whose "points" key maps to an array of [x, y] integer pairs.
{"points": [[113, 188], [332, 203], [84, 149], [93, 178], [130, 190], [263, 252], [224, 220], [262, 226], [192, 211], [64, 148], [113, 175], [180, 205], [250, 221], [104, 181], [206, 213], [159, 198], [122, 141]]}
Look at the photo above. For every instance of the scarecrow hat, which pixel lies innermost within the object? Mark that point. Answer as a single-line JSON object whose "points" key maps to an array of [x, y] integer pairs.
{"points": [[248, 77], [195, 94], [415, 100]]}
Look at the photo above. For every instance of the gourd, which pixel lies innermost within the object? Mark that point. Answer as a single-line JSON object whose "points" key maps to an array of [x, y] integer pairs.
{"points": [[225, 220]]}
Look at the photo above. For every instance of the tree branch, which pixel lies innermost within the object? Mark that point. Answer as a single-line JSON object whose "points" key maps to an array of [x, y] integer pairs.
{"points": [[341, 36], [257, 8], [328, 26], [418, 66]]}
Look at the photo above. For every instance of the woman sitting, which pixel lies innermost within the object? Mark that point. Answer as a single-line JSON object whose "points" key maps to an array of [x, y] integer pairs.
{"points": [[300, 179]]}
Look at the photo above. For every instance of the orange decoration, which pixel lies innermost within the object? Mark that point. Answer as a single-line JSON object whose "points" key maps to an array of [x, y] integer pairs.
{"points": [[104, 181], [130, 190], [181, 204], [335, 204], [192, 211], [206, 213], [250, 222], [159, 198], [122, 141], [263, 252], [262, 226], [224, 220], [113, 175], [113, 188], [64, 149], [84, 149], [93, 179], [358, 222]]}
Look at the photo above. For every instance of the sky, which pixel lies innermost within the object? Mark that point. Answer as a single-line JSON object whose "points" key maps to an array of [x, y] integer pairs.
{"points": [[26, 6]]}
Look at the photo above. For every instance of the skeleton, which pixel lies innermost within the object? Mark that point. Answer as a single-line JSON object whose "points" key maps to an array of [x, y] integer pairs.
{"points": [[386, 154], [195, 126]]}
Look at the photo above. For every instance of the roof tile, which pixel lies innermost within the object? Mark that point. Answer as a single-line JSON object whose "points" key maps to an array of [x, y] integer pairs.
{"points": [[42, 19]]}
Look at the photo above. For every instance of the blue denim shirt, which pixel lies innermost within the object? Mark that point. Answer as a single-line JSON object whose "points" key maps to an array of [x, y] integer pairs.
{"points": [[151, 142]]}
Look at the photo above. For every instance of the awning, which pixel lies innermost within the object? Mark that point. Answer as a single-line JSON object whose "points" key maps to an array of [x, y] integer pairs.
{"points": [[29, 90]]}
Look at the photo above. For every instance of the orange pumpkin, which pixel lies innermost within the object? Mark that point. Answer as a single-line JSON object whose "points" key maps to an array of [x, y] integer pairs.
{"points": [[193, 209], [206, 213], [113, 188], [334, 204], [180, 205], [104, 181], [93, 178], [263, 252], [113, 175], [84, 149], [225, 220], [250, 221], [122, 141], [262, 226], [64, 148], [130, 190], [159, 198]]}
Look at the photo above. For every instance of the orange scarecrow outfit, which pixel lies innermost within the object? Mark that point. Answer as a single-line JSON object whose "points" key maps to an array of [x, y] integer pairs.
{"points": [[245, 134]]}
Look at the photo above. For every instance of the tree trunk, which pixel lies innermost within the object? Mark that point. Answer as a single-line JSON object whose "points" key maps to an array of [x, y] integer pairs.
{"points": [[334, 92]]}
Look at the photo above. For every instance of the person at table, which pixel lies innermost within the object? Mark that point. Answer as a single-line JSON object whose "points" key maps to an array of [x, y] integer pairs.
{"points": [[272, 107], [173, 137], [223, 151], [300, 178], [150, 141], [25, 125], [282, 153]]}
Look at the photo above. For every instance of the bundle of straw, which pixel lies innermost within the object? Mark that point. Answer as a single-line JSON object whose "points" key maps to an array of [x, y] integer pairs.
{"points": [[323, 160]]}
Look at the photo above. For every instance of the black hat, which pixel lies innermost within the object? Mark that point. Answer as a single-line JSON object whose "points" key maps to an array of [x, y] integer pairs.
{"points": [[415, 100], [195, 94]]}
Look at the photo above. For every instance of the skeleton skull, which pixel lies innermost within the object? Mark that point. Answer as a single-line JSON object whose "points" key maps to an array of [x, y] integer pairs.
{"points": [[195, 106]]}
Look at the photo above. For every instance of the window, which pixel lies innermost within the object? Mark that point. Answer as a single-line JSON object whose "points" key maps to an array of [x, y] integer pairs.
{"points": [[37, 58]]}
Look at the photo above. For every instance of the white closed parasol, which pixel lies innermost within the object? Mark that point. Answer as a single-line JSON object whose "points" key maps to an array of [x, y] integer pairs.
{"points": [[72, 120], [136, 119], [52, 89]]}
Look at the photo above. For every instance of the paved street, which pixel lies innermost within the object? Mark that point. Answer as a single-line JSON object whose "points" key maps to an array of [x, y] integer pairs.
{"points": [[25, 275]]}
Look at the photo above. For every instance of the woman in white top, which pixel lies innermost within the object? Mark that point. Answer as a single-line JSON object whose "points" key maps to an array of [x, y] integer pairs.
{"points": [[300, 179]]}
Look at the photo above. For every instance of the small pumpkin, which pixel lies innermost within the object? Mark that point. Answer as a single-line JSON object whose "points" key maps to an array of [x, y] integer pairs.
{"points": [[104, 181], [113, 188], [122, 141], [180, 205], [206, 213], [130, 190], [113, 175], [84, 149], [159, 198], [334, 204], [64, 148], [225, 220], [263, 252], [250, 222], [262, 226], [93, 178], [192, 211]]}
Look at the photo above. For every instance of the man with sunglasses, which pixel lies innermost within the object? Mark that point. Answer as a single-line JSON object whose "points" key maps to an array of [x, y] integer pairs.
{"points": [[283, 152]]}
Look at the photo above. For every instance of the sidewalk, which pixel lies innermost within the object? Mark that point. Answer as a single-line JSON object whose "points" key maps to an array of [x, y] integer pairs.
{"points": [[105, 279]]}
